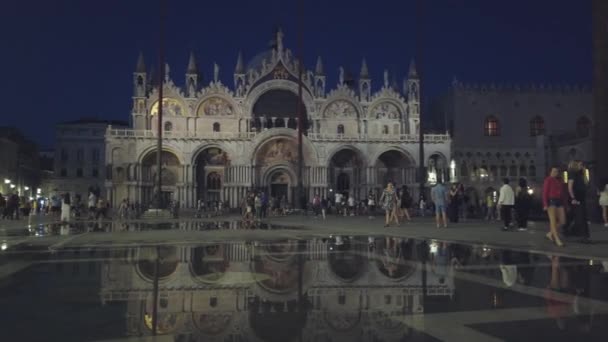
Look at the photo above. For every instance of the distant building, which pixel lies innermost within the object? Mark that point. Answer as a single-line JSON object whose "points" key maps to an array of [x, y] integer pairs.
{"points": [[79, 156], [19, 166], [516, 132]]}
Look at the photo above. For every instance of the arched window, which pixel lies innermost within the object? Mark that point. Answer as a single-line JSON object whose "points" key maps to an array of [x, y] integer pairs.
{"points": [[216, 126], [385, 129], [340, 129], [583, 125], [168, 126], [491, 127], [523, 171], [214, 181], [537, 126], [532, 171]]}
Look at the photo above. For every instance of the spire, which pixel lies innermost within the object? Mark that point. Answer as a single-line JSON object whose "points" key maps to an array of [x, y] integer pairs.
{"points": [[412, 72], [364, 71], [239, 68], [141, 66], [319, 67], [192, 69]]}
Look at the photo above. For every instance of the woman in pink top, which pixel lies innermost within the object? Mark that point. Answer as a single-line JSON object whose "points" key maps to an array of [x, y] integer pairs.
{"points": [[553, 204]]}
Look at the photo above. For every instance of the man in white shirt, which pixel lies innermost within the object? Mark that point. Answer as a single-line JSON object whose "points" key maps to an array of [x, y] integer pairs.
{"points": [[338, 202], [506, 200]]}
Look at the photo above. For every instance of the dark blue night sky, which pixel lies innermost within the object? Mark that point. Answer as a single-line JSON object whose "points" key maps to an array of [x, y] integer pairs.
{"points": [[64, 60]]}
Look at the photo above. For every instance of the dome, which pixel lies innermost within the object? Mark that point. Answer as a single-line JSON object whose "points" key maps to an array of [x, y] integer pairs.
{"points": [[256, 61]]}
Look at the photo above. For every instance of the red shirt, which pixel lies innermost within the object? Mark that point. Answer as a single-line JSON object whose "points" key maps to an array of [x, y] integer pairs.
{"points": [[552, 189]]}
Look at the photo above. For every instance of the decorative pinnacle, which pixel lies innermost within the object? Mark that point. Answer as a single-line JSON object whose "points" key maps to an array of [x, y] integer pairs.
{"points": [[141, 66], [239, 68], [364, 71], [412, 72], [192, 68], [319, 67]]}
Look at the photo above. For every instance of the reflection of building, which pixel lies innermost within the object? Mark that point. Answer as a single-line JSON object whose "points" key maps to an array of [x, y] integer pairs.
{"points": [[249, 291], [508, 131], [20, 163], [225, 141], [79, 160]]}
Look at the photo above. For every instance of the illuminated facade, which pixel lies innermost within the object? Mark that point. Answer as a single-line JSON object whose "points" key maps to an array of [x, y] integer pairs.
{"points": [[219, 142]]}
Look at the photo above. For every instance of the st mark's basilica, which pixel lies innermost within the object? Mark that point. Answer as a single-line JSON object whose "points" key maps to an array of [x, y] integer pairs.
{"points": [[219, 142]]}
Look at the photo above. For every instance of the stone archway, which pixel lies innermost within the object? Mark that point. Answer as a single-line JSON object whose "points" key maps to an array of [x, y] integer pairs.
{"points": [[280, 183], [346, 171], [275, 165], [210, 166], [395, 166], [170, 176]]}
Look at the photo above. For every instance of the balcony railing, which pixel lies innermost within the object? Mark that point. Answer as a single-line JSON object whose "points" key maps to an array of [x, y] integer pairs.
{"points": [[410, 138]]}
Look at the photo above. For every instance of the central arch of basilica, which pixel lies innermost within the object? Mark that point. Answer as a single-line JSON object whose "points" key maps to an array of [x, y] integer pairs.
{"points": [[220, 142]]}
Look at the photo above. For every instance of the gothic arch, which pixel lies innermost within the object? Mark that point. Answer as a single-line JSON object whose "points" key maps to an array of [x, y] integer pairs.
{"points": [[331, 154], [265, 137], [397, 102], [222, 96], [406, 153], [196, 152], [254, 95], [152, 148]]}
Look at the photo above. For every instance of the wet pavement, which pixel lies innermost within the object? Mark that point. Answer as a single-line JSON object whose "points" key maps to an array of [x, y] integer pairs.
{"points": [[220, 280]]}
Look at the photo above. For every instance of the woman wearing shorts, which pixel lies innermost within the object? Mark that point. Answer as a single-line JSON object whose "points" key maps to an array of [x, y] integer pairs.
{"points": [[553, 204]]}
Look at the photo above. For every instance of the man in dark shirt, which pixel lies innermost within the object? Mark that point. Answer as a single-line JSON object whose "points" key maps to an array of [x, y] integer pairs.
{"points": [[577, 189]]}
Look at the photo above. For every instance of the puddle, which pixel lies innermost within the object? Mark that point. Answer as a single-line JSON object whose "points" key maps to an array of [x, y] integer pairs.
{"points": [[333, 289]]}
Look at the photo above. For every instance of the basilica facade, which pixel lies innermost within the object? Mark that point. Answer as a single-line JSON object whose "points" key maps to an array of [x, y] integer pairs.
{"points": [[219, 141]]}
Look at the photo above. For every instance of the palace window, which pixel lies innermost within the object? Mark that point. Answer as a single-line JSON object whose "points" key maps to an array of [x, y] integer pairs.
{"points": [[491, 127], [385, 129], [63, 172], [95, 173], [340, 129], [216, 127], [80, 155], [95, 155], [583, 126], [64, 155], [79, 172], [537, 126], [168, 126]]}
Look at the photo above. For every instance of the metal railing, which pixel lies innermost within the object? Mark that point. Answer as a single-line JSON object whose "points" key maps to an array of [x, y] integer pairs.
{"points": [[410, 138]]}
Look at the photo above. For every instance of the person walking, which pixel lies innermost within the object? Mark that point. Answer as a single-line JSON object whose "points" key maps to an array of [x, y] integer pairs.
{"points": [[406, 203], [91, 204], [439, 196], [603, 202], [388, 200], [577, 189], [453, 204], [506, 200], [351, 205], [66, 207], [324, 204], [523, 202], [371, 204], [553, 204]]}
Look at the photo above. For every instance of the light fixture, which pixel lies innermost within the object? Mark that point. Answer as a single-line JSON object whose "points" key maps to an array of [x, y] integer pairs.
{"points": [[26, 188], [7, 181], [12, 186], [38, 191], [530, 191]]}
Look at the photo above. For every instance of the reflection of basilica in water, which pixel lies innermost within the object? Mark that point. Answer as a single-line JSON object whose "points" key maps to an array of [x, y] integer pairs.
{"points": [[323, 290], [220, 142]]}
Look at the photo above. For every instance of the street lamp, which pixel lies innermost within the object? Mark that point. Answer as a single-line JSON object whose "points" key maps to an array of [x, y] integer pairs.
{"points": [[39, 191], [12, 186], [26, 188], [7, 181]]}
